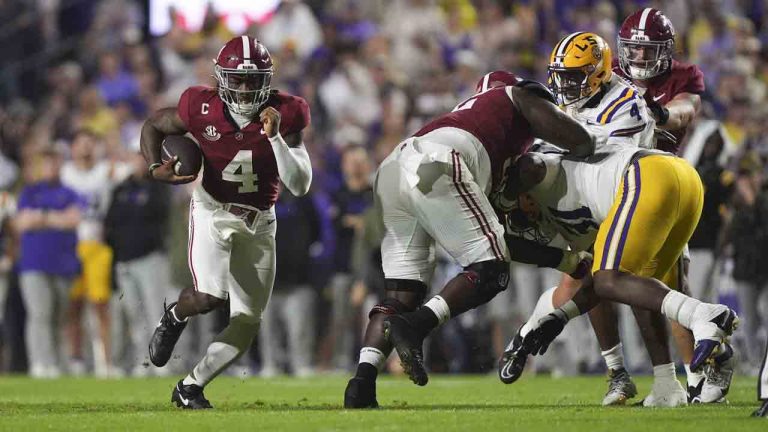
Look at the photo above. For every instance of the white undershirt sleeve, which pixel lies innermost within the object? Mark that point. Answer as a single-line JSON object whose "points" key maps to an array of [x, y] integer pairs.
{"points": [[293, 165]]}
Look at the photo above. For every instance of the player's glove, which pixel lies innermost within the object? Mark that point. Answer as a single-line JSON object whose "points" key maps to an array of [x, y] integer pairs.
{"points": [[537, 341], [660, 112], [576, 264]]}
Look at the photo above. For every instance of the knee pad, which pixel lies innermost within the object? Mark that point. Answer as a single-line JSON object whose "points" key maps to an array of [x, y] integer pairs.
{"points": [[403, 295], [489, 277]]}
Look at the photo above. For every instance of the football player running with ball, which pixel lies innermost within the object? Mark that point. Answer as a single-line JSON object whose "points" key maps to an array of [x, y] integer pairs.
{"points": [[434, 187], [250, 137]]}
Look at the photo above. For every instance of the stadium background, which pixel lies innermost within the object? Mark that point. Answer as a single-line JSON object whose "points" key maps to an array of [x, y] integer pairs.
{"points": [[372, 71]]}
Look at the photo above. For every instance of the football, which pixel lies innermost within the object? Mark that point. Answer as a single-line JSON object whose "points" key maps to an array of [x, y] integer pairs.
{"points": [[190, 157]]}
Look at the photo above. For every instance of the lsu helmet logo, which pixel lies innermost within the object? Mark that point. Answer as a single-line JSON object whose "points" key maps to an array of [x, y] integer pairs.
{"points": [[211, 134]]}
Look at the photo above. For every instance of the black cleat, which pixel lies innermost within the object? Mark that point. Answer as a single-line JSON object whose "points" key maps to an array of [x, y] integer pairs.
{"points": [[164, 338], [360, 393], [762, 411], [512, 362], [189, 396], [408, 342]]}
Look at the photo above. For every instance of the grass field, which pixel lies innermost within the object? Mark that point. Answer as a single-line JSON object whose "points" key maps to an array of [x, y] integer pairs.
{"points": [[448, 403]]}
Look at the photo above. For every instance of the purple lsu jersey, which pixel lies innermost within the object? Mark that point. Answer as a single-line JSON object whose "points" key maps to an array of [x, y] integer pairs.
{"points": [[238, 164], [494, 120]]}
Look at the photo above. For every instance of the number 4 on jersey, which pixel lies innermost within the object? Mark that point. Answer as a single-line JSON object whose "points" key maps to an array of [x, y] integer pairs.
{"points": [[240, 170]]}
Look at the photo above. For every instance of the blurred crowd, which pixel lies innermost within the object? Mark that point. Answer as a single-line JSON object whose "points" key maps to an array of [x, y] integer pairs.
{"points": [[90, 248]]}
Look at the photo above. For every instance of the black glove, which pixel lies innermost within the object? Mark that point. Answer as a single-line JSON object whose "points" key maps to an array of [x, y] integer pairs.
{"points": [[537, 340], [660, 112]]}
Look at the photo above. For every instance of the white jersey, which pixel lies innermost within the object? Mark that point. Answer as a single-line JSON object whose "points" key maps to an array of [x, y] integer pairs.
{"points": [[621, 116], [94, 186], [576, 195]]}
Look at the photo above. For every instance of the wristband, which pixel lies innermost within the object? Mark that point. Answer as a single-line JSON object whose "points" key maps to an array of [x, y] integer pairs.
{"points": [[661, 112]]}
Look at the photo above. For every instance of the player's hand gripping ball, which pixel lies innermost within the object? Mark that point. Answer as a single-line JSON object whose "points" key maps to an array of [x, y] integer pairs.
{"points": [[181, 158]]}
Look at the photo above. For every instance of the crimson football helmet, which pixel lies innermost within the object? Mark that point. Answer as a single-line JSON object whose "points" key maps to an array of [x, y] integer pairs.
{"points": [[243, 70], [646, 42], [501, 78], [497, 78]]}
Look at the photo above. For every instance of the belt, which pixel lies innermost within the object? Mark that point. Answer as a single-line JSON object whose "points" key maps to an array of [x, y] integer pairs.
{"points": [[246, 214]]}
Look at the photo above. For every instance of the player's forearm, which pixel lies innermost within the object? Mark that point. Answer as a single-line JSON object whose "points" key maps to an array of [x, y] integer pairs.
{"points": [[162, 123], [571, 136], [677, 113], [565, 132], [151, 141], [293, 165], [549, 123], [680, 116]]}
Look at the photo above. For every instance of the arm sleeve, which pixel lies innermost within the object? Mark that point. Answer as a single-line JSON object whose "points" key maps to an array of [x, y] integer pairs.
{"points": [[293, 165]]}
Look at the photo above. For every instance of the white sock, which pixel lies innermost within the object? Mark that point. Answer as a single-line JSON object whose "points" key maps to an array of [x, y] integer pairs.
{"points": [[440, 308], [189, 380], [173, 314], [543, 307], [228, 345], [693, 378], [614, 357], [372, 356], [679, 307], [664, 372]]}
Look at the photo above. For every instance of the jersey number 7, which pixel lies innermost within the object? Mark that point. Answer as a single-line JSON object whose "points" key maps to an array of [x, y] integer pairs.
{"points": [[240, 170]]}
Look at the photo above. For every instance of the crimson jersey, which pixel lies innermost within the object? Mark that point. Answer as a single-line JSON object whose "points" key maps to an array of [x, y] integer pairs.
{"points": [[680, 78], [495, 121], [238, 164]]}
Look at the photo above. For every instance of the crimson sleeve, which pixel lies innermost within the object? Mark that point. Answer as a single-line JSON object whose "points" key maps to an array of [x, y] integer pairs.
{"points": [[695, 82], [299, 117], [183, 106]]}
